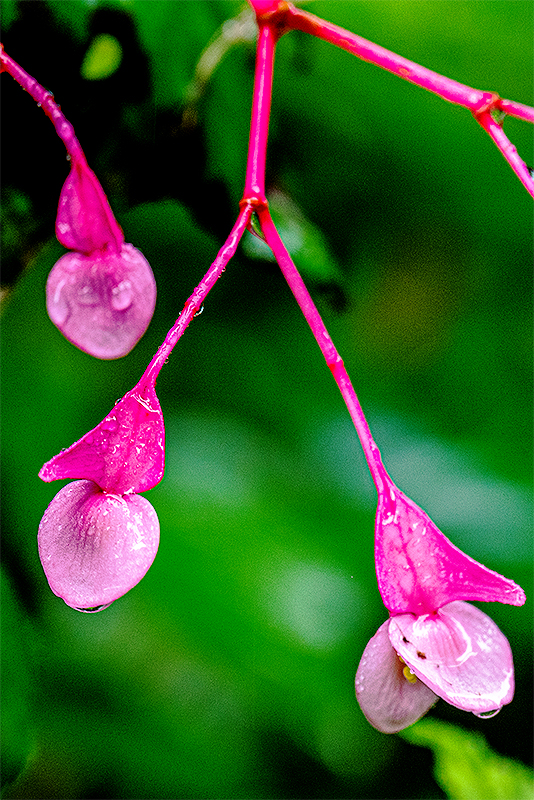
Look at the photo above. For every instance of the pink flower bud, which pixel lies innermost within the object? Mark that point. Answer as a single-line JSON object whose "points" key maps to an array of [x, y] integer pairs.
{"points": [[85, 221], [94, 546], [102, 302], [124, 454], [434, 644]]}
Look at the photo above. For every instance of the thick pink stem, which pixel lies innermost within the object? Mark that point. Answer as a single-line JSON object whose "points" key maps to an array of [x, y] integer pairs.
{"points": [[332, 357], [194, 304], [261, 108]]}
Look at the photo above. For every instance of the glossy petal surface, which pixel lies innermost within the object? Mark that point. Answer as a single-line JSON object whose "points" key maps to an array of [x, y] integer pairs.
{"points": [[124, 454], [460, 653], [102, 303], [85, 221], [419, 569], [93, 546], [388, 700]]}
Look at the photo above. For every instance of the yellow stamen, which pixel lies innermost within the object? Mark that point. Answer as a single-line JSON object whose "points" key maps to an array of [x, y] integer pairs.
{"points": [[409, 675]]}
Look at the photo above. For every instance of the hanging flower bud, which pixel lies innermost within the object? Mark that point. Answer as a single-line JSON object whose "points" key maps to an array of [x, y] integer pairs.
{"points": [[434, 644], [102, 295]]}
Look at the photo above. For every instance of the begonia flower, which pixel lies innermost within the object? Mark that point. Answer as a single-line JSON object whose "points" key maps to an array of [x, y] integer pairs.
{"points": [[98, 537], [102, 295], [434, 644]]}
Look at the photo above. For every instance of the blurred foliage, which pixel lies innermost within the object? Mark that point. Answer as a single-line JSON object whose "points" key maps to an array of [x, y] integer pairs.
{"points": [[465, 766], [228, 672]]}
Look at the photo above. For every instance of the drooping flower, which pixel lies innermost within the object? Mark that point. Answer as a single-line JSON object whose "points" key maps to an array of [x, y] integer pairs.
{"points": [[102, 295], [98, 537], [434, 644]]}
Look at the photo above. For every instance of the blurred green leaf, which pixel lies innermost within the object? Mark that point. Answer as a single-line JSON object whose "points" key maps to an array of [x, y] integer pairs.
{"points": [[17, 725], [465, 766], [102, 59]]}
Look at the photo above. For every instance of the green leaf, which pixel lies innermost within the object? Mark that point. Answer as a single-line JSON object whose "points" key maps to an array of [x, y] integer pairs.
{"points": [[466, 768], [102, 58]]}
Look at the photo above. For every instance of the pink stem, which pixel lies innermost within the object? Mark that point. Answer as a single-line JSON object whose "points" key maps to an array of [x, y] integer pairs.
{"points": [[448, 89], [45, 100], [261, 109], [518, 110], [65, 131], [332, 357], [477, 101], [507, 149], [194, 304]]}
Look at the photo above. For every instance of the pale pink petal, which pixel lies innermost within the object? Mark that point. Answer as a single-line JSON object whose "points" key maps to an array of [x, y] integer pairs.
{"points": [[419, 569], [124, 454], [94, 547], [460, 653], [388, 700], [84, 219], [102, 302]]}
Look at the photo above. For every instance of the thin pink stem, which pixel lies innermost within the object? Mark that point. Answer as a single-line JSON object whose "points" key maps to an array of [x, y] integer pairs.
{"points": [[507, 149], [448, 89], [194, 304], [519, 110], [261, 109], [287, 17], [328, 349], [65, 131], [45, 100]]}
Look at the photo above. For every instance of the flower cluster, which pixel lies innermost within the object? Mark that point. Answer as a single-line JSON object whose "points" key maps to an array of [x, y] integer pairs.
{"points": [[434, 644]]}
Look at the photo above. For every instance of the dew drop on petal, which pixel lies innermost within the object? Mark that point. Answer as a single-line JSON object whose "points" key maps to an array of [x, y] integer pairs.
{"points": [[122, 296], [102, 302], [488, 714]]}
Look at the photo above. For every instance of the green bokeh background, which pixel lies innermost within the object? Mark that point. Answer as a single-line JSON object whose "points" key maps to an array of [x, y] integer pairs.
{"points": [[228, 671]]}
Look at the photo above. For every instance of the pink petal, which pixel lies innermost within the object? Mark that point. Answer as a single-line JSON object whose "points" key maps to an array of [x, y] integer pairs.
{"points": [[419, 569], [389, 702], [104, 302], [124, 454], [84, 219], [94, 547], [460, 653]]}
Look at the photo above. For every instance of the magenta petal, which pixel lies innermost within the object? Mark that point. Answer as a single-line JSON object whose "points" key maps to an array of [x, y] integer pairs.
{"points": [[388, 700], [419, 569], [104, 302], [94, 547], [84, 219], [124, 454], [460, 653]]}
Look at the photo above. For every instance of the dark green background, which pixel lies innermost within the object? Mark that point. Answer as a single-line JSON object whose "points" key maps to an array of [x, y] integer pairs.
{"points": [[228, 671]]}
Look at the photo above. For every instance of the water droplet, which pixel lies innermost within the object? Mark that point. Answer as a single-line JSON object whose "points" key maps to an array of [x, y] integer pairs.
{"points": [[92, 609], [122, 296], [38, 105], [199, 311], [88, 295], [488, 714], [68, 157], [531, 171]]}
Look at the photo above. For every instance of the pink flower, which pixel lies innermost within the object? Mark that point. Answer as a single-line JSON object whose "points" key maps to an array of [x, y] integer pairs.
{"points": [[434, 644], [102, 295], [98, 538]]}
